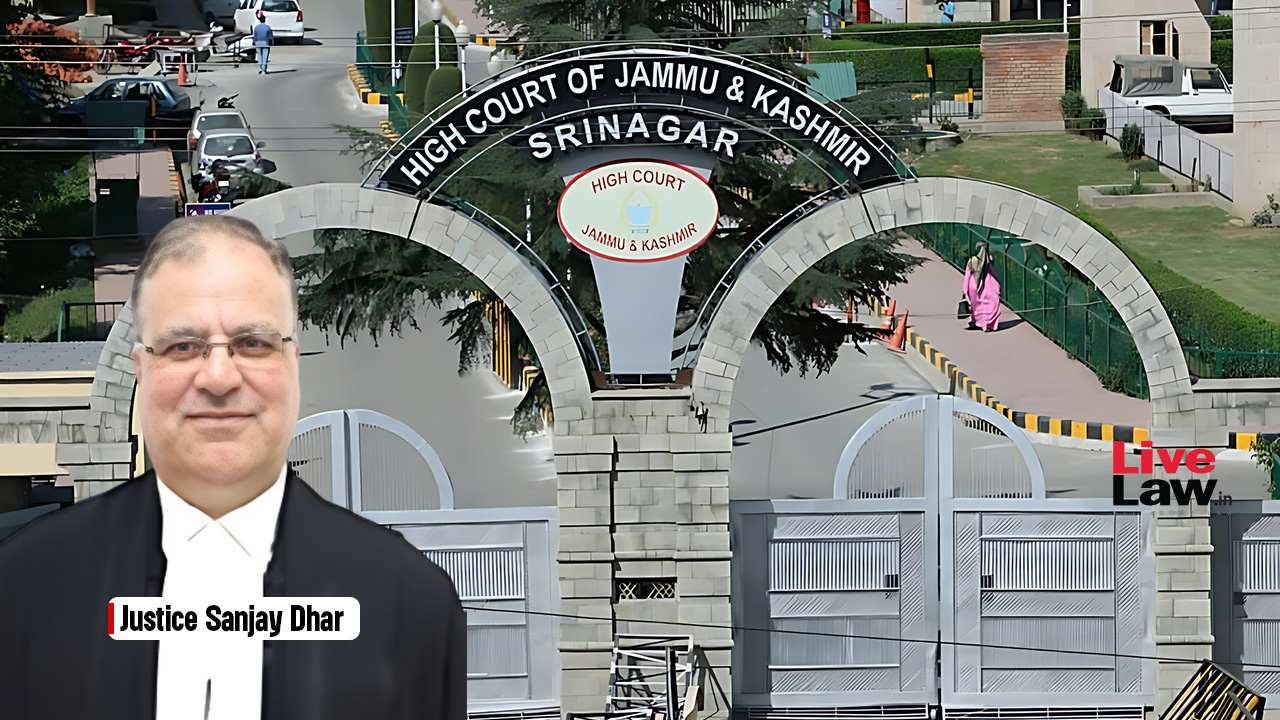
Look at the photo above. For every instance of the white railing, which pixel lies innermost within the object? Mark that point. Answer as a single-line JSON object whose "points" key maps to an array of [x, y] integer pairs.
{"points": [[1187, 151]]}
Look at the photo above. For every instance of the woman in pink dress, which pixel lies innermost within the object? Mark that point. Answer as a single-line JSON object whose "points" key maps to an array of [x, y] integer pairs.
{"points": [[983, 290]]}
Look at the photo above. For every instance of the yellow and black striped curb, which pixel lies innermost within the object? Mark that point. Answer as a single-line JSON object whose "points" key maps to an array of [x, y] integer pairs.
{"points": [[176, 186], [1244, 441], [389, 130], [367, 96], [1029, 421]]}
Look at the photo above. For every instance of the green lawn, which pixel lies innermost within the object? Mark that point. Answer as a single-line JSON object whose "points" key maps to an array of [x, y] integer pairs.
{"points": [[1242, 264]]}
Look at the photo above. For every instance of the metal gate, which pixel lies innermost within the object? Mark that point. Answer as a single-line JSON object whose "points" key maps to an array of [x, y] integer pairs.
{"points": [[1246, 599], [502, 561], [942, 575]]}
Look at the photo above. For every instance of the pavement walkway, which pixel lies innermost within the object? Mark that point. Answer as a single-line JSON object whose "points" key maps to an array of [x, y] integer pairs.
{"points": [[1019, 366], [116, 260]]}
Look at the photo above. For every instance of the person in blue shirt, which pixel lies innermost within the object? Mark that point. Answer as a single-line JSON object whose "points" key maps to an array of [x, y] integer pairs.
{"points": [[263, 38], [948, 9]]}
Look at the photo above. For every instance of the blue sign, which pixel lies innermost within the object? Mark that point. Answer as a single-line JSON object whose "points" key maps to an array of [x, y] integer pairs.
{"points": [[826, 25], [404, 36], [207, 208]]}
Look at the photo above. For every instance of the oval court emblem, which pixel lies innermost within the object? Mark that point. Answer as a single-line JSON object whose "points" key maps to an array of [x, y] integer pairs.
{"points": [[638, 210]]}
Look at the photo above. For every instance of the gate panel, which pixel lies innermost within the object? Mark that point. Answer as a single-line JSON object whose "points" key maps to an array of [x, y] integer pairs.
{"points": [[1246, 611], [840, 591]]}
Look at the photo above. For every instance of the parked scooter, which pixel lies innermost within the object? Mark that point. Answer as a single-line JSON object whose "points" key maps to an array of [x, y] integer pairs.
{"points": [[213, 183], [228, 103]]}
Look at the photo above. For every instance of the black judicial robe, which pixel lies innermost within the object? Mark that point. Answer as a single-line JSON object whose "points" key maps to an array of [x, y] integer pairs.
{"points": [[58, 573]]}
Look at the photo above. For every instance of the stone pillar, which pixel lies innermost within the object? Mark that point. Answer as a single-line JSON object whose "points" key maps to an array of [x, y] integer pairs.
{"points": [[1184, 555], [98, 445], [1256, 93], [665, 493], [1023, 77]]}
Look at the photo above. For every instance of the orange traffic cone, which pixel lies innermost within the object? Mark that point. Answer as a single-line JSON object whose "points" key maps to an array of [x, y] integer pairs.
{"points": [[182, 74], [898, 341], [886, 323]]}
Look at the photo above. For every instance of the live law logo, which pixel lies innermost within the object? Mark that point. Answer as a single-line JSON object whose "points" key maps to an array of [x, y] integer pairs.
{"points": [[1156, 491]]}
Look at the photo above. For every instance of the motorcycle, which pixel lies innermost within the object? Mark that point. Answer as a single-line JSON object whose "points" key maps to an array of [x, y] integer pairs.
{"points": [[228, 103], [213, 183], [137, 55]]}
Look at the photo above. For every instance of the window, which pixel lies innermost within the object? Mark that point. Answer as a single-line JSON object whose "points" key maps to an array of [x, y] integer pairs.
{"points": [[139, 91], [228, 146], [279, 6], [218, 122], [1206, 79], [1158, 37]]}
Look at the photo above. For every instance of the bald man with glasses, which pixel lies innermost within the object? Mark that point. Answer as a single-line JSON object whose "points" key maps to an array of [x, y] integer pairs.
{"points": [[221, 514]]}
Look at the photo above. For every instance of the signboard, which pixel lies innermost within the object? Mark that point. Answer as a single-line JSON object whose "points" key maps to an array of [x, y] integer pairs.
{"points": [[404, 36], [207, 208], [703, 86], [638, 211], [826, 25]]}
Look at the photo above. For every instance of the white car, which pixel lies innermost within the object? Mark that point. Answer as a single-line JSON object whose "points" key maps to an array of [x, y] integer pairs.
{"points": [[212, 120], [1175, 89], [236, 146], [284, 17]]}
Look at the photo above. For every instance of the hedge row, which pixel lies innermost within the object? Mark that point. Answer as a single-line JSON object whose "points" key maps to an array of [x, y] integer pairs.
{"points": [[1220, 25], [1222, 54], [938, 35], [875, 64], [1201, 317]]}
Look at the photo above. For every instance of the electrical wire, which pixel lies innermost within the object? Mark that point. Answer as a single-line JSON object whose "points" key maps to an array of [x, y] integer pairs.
{"points": [[853, 636]]}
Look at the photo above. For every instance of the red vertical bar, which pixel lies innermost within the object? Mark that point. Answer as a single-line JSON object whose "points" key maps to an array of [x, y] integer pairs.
{"points": [[111, 618]]}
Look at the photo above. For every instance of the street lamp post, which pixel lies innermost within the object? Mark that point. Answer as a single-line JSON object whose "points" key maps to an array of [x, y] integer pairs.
{"points": [[464, 39], [437, 14], [395, 68]]}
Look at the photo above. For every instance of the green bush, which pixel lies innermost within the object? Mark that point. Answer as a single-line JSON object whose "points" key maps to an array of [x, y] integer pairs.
{"points": [[1145, 164], [1220, 25], [442, 86], [1073, 67], [1073, 107], [1222, 54], [377, 30], [935, 35], [875, 64], [37, 321], [422, 59], [1131, 142]]}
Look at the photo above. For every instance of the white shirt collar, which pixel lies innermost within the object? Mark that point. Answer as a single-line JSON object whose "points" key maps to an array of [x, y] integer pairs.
{"points": [[252, 525]]}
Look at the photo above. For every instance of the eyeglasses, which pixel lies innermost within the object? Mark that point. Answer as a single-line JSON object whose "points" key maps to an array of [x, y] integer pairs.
{"points": [[251, 348]]}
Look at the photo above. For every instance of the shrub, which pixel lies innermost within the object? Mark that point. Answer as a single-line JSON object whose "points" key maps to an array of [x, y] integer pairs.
{"points": [[442, 86], [1222, 54], [1145, 164], [1266, 216], [1073, 107], [1131, 142], [948, 125], [37, 321], [1073, 66], [1112, 378], [877, 65], [54, 50], [422, 60], [1220, 25], [934, 35]]}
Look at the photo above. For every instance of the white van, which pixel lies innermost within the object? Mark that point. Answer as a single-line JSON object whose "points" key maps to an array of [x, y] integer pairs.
{"points": [[284, 17]]}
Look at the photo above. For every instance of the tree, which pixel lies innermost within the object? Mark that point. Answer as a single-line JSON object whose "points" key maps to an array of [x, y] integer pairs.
{"points": [[369, 283], [422, 61]]}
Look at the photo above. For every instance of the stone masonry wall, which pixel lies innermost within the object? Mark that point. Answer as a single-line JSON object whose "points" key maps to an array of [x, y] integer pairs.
{"points": [[1237, 403], [669, 506], [1023, 77], [1184, 556]]}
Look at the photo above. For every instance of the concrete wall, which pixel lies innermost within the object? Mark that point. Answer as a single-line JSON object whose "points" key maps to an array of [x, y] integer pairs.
{"points": [[1023, 77], [1113, 27], [1257, 100], [1246, 404]]}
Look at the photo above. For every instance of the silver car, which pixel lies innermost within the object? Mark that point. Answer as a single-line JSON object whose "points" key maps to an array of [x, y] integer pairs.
{"points": [[235, 146], [214, 120]]}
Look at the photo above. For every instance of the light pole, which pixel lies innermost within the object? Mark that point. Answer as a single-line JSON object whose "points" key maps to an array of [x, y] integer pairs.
{"points": [[437, 14], [395, 68], [464, 39]]}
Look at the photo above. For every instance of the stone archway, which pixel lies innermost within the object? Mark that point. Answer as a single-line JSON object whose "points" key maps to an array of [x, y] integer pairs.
{"points": [[959, 200], [99, 446]]}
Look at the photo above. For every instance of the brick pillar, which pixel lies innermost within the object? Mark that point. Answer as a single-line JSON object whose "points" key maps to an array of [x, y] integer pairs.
{"points": [[669, 506], [1184, 555], [1023, 78]]}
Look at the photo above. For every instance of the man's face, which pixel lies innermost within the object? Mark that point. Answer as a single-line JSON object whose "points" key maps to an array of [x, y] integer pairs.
{"points": [[220, 419]]}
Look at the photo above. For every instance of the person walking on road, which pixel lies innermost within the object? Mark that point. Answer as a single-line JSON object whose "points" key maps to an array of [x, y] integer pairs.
{"points": [[983, 290], [948, 9], [263, 38]]}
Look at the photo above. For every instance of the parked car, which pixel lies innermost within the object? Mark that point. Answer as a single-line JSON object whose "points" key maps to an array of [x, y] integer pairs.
{"points": [[222, 12], [236, 146], [173, 107], [1179, 90], [211, 120], [284, 17]]}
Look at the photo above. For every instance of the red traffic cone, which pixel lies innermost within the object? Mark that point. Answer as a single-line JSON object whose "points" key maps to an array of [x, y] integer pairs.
{"points": [[898, 341], [182, 74]]}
